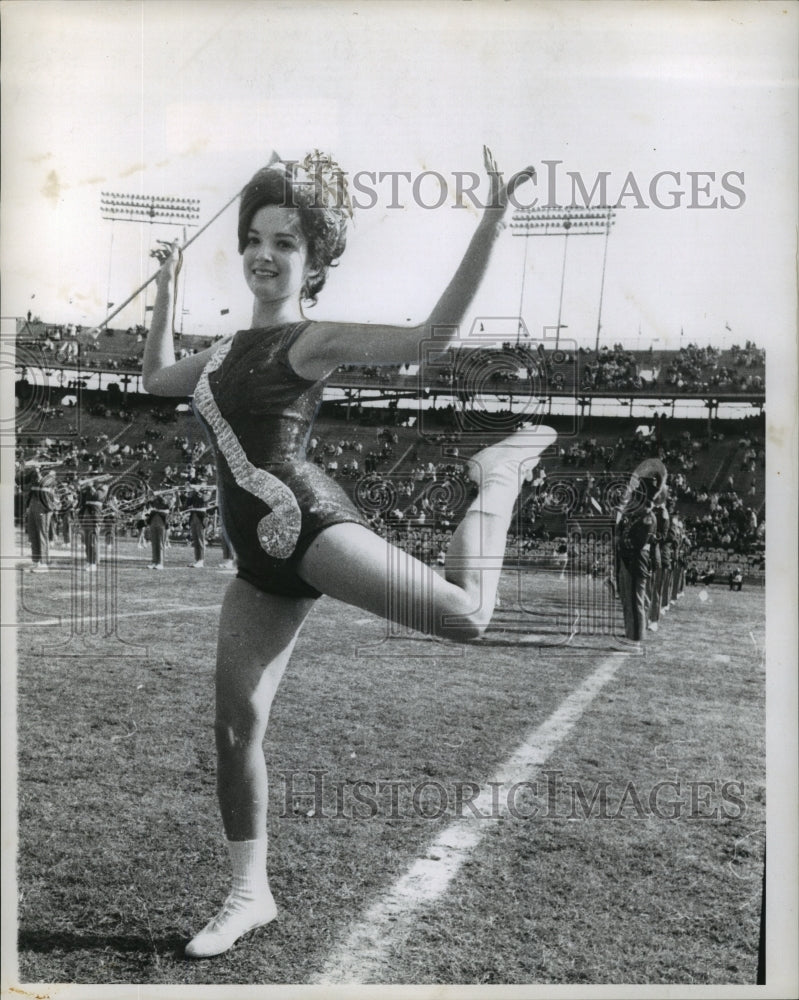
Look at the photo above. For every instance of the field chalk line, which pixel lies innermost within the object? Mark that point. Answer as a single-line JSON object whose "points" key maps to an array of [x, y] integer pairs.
{"points": [[362, 954], [164, 609]]}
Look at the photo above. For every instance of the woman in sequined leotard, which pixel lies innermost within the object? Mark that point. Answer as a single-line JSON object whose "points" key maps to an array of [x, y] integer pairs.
{"points": [[269, 521], [295, 533]]}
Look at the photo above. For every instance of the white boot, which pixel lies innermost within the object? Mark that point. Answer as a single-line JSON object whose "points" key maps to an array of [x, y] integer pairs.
{"points": [[511, 460], [249, 905]]}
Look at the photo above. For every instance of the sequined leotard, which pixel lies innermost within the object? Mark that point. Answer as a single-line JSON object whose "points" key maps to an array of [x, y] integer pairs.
{"points": [[258, 414]]}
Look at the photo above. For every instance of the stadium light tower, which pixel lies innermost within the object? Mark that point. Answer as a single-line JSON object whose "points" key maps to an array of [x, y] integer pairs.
{"points": [[161, 209], [565, 221]]}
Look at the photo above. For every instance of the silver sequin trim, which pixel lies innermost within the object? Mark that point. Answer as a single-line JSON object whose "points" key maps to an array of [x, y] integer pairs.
{"points": [[278, 531]]}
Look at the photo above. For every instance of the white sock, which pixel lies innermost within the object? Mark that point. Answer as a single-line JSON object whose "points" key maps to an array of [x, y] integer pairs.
{"points": [[248, 861], [248, 905]]}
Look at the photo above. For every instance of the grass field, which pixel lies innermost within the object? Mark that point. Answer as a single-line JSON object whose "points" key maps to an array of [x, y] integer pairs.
{"points": [[633, 854]]}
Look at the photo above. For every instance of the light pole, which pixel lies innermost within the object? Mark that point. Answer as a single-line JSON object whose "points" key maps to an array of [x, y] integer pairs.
{"points": [[608, 223], [566, 228], [565, 221], [161, 209]]}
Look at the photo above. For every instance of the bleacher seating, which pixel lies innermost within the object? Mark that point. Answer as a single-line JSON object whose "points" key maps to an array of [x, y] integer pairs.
{"points": [[691, 372], [127, 432]]}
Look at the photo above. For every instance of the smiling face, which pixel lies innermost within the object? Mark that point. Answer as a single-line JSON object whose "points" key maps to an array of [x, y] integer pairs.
{"points": [[275, 260]]}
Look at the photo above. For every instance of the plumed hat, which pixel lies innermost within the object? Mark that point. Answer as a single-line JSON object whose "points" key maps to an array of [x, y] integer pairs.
{"points": [[652, 476]]}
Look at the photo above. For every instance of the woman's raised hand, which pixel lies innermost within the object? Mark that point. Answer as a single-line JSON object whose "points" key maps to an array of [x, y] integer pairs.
{"points": [[170, 257], [500, 189]]}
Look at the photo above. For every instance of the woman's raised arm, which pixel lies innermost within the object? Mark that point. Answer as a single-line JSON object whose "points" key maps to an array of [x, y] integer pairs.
{"points": [[162, 375], [329, 345]]}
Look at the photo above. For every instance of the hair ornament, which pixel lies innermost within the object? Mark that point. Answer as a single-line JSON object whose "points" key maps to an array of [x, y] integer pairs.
{"points": [[328, 180]]}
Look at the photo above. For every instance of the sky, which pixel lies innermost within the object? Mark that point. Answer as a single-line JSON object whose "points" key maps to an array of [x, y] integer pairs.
{"points": [[188, 99]]}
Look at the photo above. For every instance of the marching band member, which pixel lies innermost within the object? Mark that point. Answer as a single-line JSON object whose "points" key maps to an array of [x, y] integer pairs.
{"points": [[636, 529]]}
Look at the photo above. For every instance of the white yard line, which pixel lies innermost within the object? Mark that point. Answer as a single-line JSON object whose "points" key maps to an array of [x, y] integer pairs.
{"points": [[160, 610], [361, 956]]}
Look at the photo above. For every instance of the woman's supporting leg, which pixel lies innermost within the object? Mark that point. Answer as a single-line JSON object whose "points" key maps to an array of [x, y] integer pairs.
{"points": [[257, 633], [352, 564]]}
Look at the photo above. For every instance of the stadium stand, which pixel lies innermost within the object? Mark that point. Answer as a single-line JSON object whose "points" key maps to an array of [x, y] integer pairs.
{"points": [[409, 476], [692, 371]]}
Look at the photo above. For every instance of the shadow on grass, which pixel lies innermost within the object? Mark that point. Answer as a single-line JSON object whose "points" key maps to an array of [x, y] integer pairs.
{"points": [[46, 941]]}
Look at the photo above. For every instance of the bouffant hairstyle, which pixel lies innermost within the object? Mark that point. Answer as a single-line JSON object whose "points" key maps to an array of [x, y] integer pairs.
{"points": [[317, 189]]}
